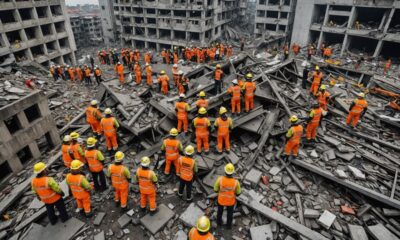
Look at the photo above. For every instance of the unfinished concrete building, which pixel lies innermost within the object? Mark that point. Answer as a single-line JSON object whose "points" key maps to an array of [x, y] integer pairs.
{"points": [[36, 30], [87, 30], [108, 21], [367, 26], [26, 129], [166, 23], [274, 18]]}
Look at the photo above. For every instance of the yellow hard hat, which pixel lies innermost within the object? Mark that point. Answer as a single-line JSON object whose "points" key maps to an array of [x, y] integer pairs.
{"points": [[93, 102], [249, 76], [76, 164], [74, 135], [203, 224], [316, 67], [323, 87], [173, 132], [162, 72], [202, 94], [293, 118], [39, 167], [202, 110], [189, 150], [229, 168], [361, 95], [145, 161], [91, 141], [67, 138], [218, 66], [222, 110], [108, 111], [119, 156]]}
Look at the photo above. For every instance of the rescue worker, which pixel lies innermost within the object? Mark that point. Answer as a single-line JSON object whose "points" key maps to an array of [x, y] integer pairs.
{"points": [[317, 77], [97, 75], [293, 137], [202, 127], [76, 150], [286, 51], [119, 69], [149, 73], [296, 49], [183, 83], [387, 66], [310, 52], [65, 151], [235, 91], [147, 58], [172, 148], [138, 73], [163, 82], [120, 176], [202, 102], [93, 117], [147, 181], [202, 230], [229, 51], [357, 110], [95, 160], [224, 125], [88, 79], [227, 188], [218, 76], [314, 119], [79, 73], [80, 187], [182, 108], [327, 52], [109, 126], [175, 74], [49, 192], [187, 170], [249, 87], [323, 97], [71, 73]]}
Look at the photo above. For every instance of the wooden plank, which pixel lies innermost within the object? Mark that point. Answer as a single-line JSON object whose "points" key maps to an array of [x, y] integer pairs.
{"points": [[394, 184], [300, 208]]}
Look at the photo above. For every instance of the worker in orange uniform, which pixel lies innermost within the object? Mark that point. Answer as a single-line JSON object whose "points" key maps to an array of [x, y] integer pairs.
{"points": [[80, 187], [147, 58], [202, 127], [314, 119], [137, 55], [182, 108], [218, 77], [317, 78], [65, 151], [202, 230], [293, 137], [224, 124], [183, 83], [176, 58], [149, 73], [138, 73], [120, 176], [119, 69], [163, 82], [48, 191], [87, 71], [147, 180], [109, 126], [202, 102], [229, 51], [249, 87], [327, 52], [172, 148], [93, 117], [211, 54], [175, 74], [296, 49], [79, 73], [357, 110], [95, 160], [71, 73], [187, 170], [387, 66], [227, 188], [97, 75], [164, 55], [235, 91], [323, 97], [76, 150]]}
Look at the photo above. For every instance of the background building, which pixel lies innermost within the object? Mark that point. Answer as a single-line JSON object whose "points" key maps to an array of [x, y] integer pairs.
{"points": [[108, 21], [36, 30], [87, 30]]}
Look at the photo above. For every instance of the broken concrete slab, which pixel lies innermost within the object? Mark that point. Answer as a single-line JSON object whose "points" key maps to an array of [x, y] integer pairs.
{"points": [[391, 212], [99, 218], [156, 222], [232, 157], [63, 231], [326, 219], [191, 214], [100, 236], [261, 232], [180, 235], [253, 176], [357, 173], [274, 170], [34, 232], [311, 213], [124, 220], [357, 232], [340, 173], [380, 232]]}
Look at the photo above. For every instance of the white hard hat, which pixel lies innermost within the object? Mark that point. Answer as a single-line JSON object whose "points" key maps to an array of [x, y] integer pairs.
{"points": [[147, 64], [175, 65], [235, 81], [182, 95], [119, 62], [180, 72]]}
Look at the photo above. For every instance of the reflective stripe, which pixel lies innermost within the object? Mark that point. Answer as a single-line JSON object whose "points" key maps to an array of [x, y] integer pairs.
{"points": [[227, 192], [186, 172], [317, 116], [42, 195], [76, 186], [118, 176]]}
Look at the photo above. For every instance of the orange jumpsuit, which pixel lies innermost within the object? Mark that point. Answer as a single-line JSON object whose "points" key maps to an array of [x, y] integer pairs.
{"points": [[235, 101], [137, 56], [323, 99], [71, 74], [249, 89], [172, 147], [201, 125], [195, 235], [42, 189], [312, 126], [138, 74], [316, 82], [224, 126], [74, 149], [175, 75], [78, 71], [176, 59], [120, 183], [110, 132], [147, 58], [147, 188], [163, 80], [149, 72], [355, 112], [202, 103], [181, 82], [296, 49], [181, 113], [119, 69], [66, 157], [293, 143], [229, 52], [81, 195], [93, 117]]}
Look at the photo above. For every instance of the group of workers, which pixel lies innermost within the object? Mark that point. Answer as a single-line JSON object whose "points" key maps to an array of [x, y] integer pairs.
{"points": [[76, 73]]}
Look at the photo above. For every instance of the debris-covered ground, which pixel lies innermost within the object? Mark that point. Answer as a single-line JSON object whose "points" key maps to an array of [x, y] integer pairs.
{"points": [[344, 186]]}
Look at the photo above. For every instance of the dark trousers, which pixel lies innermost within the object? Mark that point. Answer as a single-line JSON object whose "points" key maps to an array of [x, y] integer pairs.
{"points": [[60, 205], [229, 215], [99, 180], [217, 86], [88, 80], [98, 80], [188, 184], [304, 82]]}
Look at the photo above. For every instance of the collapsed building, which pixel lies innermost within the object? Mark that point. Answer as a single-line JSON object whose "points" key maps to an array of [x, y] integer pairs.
{"points": [[87, 30]]}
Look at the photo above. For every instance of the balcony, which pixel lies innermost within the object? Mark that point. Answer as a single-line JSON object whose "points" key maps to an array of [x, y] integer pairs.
{"points": [[11, 26], [334, 29], [4, 51], [30, 23], [7, 5]]}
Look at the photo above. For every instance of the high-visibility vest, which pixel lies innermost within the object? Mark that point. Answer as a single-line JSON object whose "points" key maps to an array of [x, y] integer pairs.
{"points": [[46, 194], [118, 179], [163, 80], [171, 148], [75, 153], [202, 103], [195, 235], [317, 77], [223, 126], [87, 72], [201, 125], [359, 106], [317, 115], [90, 114], [227, 188], [108, 126], [235, 90], [146, 185], [74, 181], [181, 107], [94, 164], [297, 133], [186, 167], [218, 74], [249, 89], [97, 72], [66, 157], [322, 97]]}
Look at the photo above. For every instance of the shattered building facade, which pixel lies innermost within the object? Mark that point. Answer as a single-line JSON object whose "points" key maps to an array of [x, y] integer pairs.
{"points": [[371, 27], [36, 30], [87, 30], [108, 21]]}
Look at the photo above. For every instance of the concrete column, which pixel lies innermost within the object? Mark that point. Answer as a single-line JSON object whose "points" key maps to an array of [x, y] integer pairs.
{"points": [[4, 133], [44, 108], [352, 17], [33, 147], [378, 48], [389, 20], [15, 164], [345, 44], [54, 137], [23, 120], [320, 40]]}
